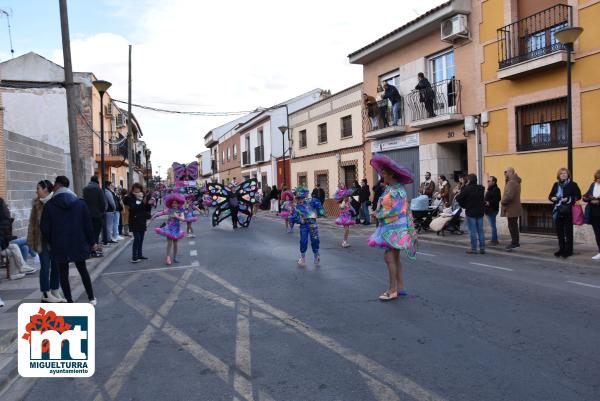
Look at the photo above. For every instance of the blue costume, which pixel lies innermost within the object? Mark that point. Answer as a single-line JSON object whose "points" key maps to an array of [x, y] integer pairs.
{"points": [[305, 214]]}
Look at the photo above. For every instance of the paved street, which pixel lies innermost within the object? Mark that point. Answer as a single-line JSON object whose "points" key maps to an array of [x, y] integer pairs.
{"points": [[238, 320]]}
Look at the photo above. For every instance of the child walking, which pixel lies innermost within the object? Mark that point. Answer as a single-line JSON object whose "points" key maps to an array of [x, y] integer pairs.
{"points": [[305, 214], [287, 206], [395, 231], [347, 212], [171, 229], [189, 210]]}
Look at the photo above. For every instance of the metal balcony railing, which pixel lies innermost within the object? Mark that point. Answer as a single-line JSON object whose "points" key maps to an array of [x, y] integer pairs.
{"points": [[119, 150], [533, 36], [442, 98], [245, 157], [542, 125], [259, 154], [384, 117]]}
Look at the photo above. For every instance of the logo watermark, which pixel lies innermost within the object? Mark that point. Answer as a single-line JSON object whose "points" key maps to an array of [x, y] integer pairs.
{"points": [[57, 340]]}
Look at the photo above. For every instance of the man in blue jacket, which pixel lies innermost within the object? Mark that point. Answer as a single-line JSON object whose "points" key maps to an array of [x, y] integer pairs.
{"points": [[67, 226]]}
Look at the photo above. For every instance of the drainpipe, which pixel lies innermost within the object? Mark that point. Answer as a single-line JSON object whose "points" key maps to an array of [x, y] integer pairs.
{"points": [[478, 158]]}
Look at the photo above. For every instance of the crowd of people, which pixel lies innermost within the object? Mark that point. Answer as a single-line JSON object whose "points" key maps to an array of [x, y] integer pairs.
{"points": [[65, 229]]}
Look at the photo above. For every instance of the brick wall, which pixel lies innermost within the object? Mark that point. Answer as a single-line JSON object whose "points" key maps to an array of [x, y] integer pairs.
{"points": [[27, 162]]}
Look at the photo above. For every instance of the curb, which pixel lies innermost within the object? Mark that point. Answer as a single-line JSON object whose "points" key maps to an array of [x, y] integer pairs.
{"points": [[9, 374]]}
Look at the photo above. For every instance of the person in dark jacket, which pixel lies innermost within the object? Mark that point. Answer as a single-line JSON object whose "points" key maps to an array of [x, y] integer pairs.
{"points": [[471, 198], [592, 209], [426, 94], [564, 194], [96, 203], [67, 226], [139, 211], [318, 193], [492, 206], [364, 196], [392, 94], [274, 198]]}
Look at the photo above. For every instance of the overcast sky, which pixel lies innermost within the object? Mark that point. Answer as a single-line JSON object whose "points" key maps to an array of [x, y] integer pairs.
{"points": [[207, 56]]}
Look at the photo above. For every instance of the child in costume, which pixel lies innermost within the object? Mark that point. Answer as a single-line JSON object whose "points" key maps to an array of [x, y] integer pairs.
{"points": [[396, 231], [206, 202], [287, 206], [305, 214], [171, 229], [189, 209], [347, 212]]}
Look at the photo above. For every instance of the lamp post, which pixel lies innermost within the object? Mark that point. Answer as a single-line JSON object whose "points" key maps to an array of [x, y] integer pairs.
{"points": [[102, 87], [283, 129], [567, 36]]}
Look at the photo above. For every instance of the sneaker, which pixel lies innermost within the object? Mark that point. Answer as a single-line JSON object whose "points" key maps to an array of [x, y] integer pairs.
{"points": [[26, 269], [36, 260], [482, 251], [142, 258], [512, 246], [134, 260], [57, 294], [119, 238], [47, 297], [557, 254], [17, 276], [93, 301], [597, 257], [472, 251]]}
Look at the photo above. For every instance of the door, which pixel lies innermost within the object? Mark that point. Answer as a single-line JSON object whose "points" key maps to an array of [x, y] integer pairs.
{"points": [[323, 181], [408, 158], [349, 176]]}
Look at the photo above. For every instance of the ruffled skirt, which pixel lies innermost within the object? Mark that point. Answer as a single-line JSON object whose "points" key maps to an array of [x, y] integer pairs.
{"points": [[345, 220], [171, 231], [396, 235]]}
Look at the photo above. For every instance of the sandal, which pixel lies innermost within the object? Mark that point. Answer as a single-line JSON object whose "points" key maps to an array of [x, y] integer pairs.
{"points": [[317, 260], [387, 296], [169, 262], [302, 262]]}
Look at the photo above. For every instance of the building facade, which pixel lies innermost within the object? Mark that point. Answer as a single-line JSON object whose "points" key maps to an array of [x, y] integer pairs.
{"points": [[327, 142], [524, 77], [430, 135], [228, 151]]}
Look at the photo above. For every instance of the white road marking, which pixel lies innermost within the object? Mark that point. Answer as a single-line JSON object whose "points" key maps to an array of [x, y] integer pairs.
{"points": [[192, 243], [193, 252], [373, 368], [380, 391], [492, 267], [425, 254], [584, 284], [152, 270], [195, 263], [242, 352]]}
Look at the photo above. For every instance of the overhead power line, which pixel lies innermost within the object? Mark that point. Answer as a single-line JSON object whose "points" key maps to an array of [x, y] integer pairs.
{"points": [[189, 113]]}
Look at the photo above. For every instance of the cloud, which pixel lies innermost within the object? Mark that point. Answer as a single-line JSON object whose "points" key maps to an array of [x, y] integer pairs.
{"points": [[233, 55]]}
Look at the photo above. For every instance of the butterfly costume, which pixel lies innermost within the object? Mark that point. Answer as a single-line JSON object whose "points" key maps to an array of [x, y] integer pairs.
{"points": [[233, 201]]}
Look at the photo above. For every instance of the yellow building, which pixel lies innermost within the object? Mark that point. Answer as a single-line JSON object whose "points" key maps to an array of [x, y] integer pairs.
{"points": [[524, 76]]}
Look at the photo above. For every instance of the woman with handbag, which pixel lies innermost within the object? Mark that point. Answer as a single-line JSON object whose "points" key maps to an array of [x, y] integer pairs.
{"points": [[592, 209], [564, 195]]}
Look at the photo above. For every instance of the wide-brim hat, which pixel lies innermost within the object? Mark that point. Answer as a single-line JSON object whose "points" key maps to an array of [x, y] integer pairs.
{"points": [[174, 198], [403, 174], [342, 193]]}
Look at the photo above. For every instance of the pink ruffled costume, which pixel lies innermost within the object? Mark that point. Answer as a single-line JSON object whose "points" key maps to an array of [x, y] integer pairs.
{"points": [[345, 218], [172, 229], [396, 229]]}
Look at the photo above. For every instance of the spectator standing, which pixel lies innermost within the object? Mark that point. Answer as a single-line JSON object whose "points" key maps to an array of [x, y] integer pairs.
{"points": [[96, 203], [318, 193], [427, 187], [426, 94], [592, 210], [443, 193], [140, 209], [124, 213], [471, 198], [492, 206], [274, 197], [67, 226], [511, 205], [364, 199], [119, 209], [564, 194], [49, 274], [382, 105], [372, 110], [392, 94], [111, 215]]}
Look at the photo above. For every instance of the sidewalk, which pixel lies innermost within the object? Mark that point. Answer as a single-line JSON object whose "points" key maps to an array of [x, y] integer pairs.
{"points": [[27, 289], [532, 245]]}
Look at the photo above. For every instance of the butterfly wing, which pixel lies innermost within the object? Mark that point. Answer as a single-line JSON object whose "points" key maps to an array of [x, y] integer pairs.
{"points": [[178, 171], [220, 200], [247, 193], [192, 171]]}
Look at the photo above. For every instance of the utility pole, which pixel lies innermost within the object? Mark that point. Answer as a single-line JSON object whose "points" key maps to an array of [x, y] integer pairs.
{"points": [[71, 101], [129, 136]]}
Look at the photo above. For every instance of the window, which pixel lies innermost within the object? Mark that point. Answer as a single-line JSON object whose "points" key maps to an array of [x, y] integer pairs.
{"points": [[441, 67], [302, 139], [391, 78], [542, 125], [260, 136], [349, 176], [302, 180], [223, 156], [234, 151], [323, 133], [346, 124], [228, 153]]}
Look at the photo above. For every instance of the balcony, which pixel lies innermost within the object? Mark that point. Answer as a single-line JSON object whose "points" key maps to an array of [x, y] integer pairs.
{"points": [[259, 154], [435, 106], [530, 44], [384, 127], [245, 158]]}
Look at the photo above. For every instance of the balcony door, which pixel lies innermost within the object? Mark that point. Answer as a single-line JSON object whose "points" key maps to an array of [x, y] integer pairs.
{"points": [[442, 73]]}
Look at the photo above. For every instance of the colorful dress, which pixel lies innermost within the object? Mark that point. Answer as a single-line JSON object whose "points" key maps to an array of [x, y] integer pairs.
{"points": [[287, 205], [206, 200], [171, 229], [189, 214], [345, 218], [396, 229]]}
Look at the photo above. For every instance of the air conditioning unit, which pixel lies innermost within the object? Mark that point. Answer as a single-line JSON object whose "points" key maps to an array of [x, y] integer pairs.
{"points": [[121, 120], [455, 28], [108, 109]]}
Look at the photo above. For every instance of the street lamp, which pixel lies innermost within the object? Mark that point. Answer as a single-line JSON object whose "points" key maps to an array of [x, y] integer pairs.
{"points": [[567, 36], [283, 129], [102, 87]]}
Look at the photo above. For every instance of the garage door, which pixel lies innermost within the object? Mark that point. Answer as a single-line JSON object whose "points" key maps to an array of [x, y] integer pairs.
{"points": [[408, 158]]}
